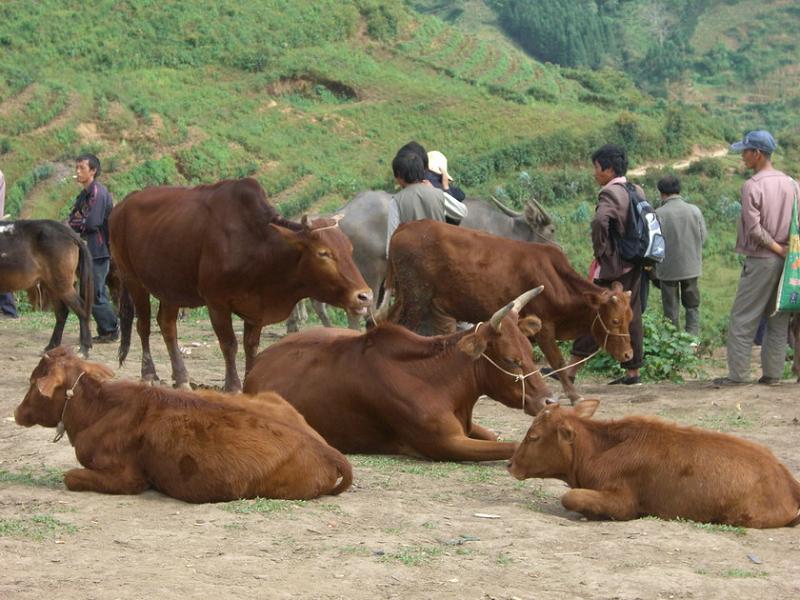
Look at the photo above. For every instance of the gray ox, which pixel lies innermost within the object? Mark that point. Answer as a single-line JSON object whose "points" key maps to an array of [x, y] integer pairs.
{"points": [[364, 222]]}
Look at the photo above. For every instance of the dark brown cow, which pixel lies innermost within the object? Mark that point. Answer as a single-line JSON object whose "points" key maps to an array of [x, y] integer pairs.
{"points": [[446, 273], [197, 447], [225, 247], [390, 391], [45, 255], [640, 466]]}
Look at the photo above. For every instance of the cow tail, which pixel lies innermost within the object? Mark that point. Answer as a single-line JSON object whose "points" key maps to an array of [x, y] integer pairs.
{"points": [[125, 322], [85, 278], [345, 470]]}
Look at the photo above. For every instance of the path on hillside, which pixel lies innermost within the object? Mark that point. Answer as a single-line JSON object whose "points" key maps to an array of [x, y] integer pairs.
{"points": [[697, 154]]}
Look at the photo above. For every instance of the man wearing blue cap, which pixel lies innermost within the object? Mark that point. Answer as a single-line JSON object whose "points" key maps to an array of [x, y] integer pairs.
{"points": [[763, 237]]}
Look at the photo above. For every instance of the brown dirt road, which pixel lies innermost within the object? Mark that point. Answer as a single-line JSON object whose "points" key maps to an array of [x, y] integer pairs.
{"points": [[407, 529]]}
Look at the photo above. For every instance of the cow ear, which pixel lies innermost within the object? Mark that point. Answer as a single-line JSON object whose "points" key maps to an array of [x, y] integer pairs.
{"points": [[566, 433], [596, 299], [530, 326], [47, 385], [472, 344], [292, 238], [586, 408]]}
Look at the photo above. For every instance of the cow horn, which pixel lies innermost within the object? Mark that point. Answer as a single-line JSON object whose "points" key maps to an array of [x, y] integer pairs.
{"points": [[382, 312], [505, 209], [534, 203], [523, 299], [305, 222], [498, 316]]}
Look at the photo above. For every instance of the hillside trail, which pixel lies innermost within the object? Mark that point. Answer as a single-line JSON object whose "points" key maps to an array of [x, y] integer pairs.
{"points": [[697, 154]]}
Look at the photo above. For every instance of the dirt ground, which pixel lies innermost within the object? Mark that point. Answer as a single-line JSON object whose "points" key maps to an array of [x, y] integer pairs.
{"points": [[407, 528]]}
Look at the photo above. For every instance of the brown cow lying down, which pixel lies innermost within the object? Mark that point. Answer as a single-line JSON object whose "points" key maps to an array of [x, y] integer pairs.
{"points": [[391, 391], [197, 447], [638, 466]]}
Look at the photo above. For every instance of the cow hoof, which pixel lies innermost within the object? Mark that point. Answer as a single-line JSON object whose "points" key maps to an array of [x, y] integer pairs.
{"points": [[183, 386]]}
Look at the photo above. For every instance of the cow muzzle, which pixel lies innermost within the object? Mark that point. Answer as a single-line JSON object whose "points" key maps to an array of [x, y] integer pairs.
{"points": [[361, 302]]}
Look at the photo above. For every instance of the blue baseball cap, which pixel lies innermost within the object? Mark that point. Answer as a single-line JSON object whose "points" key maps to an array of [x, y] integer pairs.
{"points": [[756, 140]]}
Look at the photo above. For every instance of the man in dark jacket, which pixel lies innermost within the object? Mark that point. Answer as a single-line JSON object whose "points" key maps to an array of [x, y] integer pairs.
{"points": [[89, 218], [608, 225]]}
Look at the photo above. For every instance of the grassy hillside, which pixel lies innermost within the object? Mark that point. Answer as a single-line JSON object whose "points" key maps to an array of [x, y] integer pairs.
{"points": [[312, 98]]}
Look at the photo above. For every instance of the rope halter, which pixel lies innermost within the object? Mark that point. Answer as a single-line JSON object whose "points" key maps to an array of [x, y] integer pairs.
{"points": [[60, 429], [607, 330], [517, 376]]}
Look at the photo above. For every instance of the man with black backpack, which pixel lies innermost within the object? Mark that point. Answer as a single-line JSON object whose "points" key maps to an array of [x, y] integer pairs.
{"points": [[625, 237]]}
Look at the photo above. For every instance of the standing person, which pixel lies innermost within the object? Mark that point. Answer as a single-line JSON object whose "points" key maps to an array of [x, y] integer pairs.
{"points": [[684, 231], [89, 218], [437, 173], [608, 226], [417, 198], [762, 237], [8, 309]]}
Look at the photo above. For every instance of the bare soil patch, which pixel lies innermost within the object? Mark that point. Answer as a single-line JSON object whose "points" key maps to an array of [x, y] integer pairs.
{"points": [[407, 528]]}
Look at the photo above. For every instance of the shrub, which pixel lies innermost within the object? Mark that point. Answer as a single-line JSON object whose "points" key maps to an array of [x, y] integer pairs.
{"points": [[668, 354]]}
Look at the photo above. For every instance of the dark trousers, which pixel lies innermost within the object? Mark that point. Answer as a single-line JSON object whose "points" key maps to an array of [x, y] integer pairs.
{"points": [[685, 292], [632, 282], [7, 305], [102, 311]]}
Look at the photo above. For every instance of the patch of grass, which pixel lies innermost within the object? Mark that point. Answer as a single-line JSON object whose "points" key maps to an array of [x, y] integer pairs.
{"points": [[49, 477], [355, 550], [504, 559], [725, 421], [743, 573], [332, 508], [236, 526], [429, 525], [261, 505], [718, 528], [414, 556], [38, 527]]}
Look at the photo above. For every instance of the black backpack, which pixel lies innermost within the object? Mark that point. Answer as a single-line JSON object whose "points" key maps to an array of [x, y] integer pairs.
{"points": [[643, 243]]}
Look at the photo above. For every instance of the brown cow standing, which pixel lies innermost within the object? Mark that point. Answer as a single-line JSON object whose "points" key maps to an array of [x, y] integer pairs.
{"points": [[390, 391], [197, 447], [223, 246], [451, 274], [638, 466]]}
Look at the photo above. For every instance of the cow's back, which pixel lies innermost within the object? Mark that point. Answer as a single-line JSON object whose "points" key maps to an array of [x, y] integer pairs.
{"points": [[690, 473], [165, 237], [336, 379], [467, 274]]}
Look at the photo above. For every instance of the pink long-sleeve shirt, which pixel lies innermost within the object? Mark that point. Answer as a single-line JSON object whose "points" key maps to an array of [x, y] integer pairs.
{"points": [[767, 200]]}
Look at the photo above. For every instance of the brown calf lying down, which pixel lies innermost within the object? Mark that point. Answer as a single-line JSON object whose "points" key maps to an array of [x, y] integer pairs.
{"points": [[639, 466], [197, 447]]}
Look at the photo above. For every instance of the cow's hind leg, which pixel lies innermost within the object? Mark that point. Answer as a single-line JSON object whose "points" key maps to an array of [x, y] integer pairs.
{"points": [[121, 481], [141, 303], [596, 504], [168, 322], [73, 301], [221, 322], [62, 312]]}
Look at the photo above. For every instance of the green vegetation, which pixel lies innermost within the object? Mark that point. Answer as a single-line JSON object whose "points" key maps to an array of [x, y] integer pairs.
{"points": [[414, 556], [313, 99], [37, 527], [47, 477], [261, 505]]}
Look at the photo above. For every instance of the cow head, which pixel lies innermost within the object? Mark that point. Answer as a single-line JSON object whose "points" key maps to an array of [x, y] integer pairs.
{"points": [[504, 352], [549, 445], [326, 265], [612, 320], [56, 373]]}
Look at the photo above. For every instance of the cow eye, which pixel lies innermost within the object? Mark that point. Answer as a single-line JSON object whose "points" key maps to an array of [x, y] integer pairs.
{"points": [[615, 321], [324, 253], [533, 437]]}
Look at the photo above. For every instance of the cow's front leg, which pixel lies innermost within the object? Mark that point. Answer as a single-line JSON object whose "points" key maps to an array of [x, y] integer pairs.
{"points": [[479, 432], [168, 323], [547, 343], [125, 480], [615, 505], [223, 328]]}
